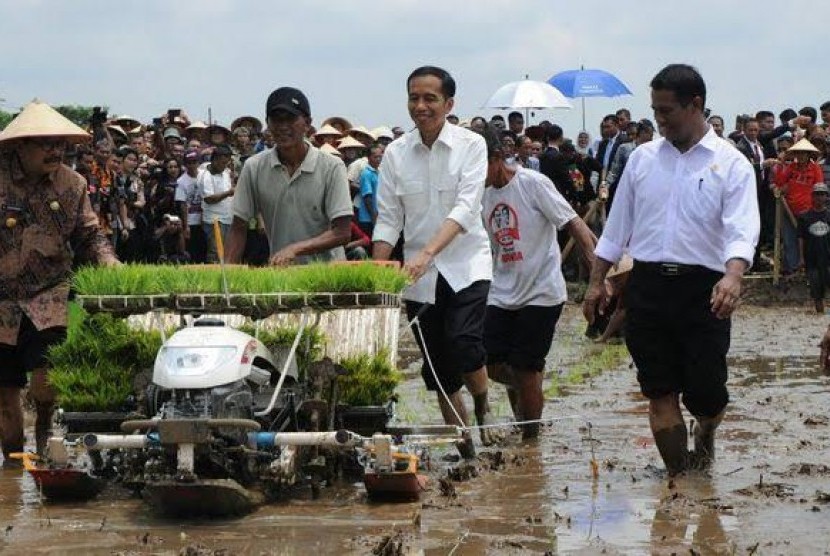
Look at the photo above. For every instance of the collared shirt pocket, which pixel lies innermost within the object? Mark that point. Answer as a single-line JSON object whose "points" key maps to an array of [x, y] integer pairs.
{"points": [[703, 198], [447, 192], [412, 194]]}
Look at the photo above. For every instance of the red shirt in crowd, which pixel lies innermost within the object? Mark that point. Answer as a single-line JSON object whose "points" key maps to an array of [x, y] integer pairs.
{"points": [[797, 183]]}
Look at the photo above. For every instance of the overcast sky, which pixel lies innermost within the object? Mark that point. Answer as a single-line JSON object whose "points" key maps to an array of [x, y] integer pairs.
{"points": [[352, 57]]}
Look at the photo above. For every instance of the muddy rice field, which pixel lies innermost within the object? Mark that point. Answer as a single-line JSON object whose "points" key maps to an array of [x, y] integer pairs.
{"points": [[769, 492]]}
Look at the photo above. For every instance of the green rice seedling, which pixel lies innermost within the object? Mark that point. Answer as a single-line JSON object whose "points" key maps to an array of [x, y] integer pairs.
{"points": [[606, 358], [137, 279], [94, 369], [370, 379]]}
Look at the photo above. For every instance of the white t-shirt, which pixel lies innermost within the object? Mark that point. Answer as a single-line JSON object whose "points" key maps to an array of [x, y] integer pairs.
{"points": [[521, 219], [211, 184], [187, 192]]}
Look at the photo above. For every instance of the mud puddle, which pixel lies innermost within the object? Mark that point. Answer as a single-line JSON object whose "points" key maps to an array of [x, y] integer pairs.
{"points": [[768, 493]]}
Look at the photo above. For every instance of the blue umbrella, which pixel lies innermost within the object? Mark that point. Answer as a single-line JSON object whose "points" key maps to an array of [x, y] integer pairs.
{"points": [[588, 83]]}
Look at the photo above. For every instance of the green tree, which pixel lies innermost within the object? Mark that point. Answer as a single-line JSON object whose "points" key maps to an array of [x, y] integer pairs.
{"points": [[77, 113], [5, 118]]}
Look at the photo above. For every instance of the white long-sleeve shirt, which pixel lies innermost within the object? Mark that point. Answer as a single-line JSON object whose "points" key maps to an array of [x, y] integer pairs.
{"points": [[420, 187], [698, 207]]}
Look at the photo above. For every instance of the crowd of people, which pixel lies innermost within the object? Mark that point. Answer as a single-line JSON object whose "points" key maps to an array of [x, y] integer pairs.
{"points": [[158, 187], [482, 214]]}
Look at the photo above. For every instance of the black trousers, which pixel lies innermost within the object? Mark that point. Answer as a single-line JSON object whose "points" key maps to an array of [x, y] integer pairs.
{"points": [[679, 346]]}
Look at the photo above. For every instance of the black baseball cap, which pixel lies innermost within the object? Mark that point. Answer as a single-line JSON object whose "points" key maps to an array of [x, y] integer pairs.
{"points": [[289, 99]]}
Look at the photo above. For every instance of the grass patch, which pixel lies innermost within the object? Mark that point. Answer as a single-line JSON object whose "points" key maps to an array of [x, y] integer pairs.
{"points": [[139, 279], [371, 379], [608, 357]]}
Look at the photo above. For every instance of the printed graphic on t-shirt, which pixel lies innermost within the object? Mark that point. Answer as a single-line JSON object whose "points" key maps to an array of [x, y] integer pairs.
{"points": [[194, 201], [818, 228], [504, 224]]}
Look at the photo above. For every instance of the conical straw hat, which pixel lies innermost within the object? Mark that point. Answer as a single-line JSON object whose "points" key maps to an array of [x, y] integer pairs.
{"points": [[803, 146], [357, 130], [126, 122], [326, 148], [251, 122], [38, 119], [350, 141], [383, 131], [328, 129]]}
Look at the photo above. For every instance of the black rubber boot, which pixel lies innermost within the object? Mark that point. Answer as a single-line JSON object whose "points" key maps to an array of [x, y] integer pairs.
{"points": [[673, 446], [703, 433]]}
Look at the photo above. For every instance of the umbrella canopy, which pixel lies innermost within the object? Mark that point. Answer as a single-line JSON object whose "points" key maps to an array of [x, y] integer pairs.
{"points": [[527, 94], [588, 83]]}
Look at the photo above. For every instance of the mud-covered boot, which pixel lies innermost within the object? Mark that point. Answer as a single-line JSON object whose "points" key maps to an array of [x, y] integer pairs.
{"points": [[11, 425], [466, 448], [674, 448], [703, 433], [43, 426]]}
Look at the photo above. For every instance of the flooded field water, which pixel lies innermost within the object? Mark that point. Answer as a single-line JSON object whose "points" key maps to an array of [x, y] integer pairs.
{"points": [[769, 494]]}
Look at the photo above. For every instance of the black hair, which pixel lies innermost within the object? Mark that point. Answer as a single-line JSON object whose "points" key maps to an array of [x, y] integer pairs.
{"points": [[497, 117], [507, 133], [787, 114], [124, 150], [824, 106], [761, 114], [447, 82], [625, 111], [491, 139], [611, 118], [375, 145], [683, 80], [810, 112], [220, 150], [479, 118], [567, 147], [514, 115], [553, 133]]}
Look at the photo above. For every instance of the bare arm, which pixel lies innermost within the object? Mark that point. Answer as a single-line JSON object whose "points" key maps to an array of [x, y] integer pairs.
{"points": [[423, 260], [338, 234], [382, 251], [584, 238], [237, 237]]}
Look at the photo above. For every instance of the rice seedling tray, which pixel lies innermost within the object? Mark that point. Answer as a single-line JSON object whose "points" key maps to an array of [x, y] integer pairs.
{"points": [[123, 304], [256, 305]]}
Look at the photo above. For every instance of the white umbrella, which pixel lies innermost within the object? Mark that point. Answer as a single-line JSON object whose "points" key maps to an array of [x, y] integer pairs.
{"points": [[526, 95]]}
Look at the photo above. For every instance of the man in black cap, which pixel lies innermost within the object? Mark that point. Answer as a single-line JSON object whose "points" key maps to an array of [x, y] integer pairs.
{"points": [[301, 193]]}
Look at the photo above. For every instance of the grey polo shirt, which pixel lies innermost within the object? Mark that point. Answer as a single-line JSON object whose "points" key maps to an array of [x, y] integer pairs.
{"points": [[294, 208]]}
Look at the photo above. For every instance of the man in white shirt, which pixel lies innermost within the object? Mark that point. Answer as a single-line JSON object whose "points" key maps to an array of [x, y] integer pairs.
{"points": [[522, 213], [431, 183], [189, 200], [216, 188], [687, 212]]}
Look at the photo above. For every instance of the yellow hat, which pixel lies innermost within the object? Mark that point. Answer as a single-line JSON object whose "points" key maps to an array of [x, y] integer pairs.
{"points": [[38, 119]]}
